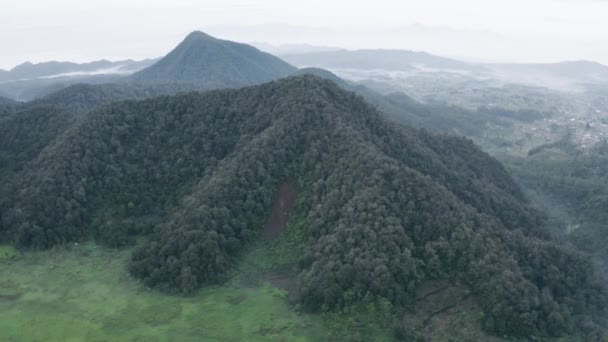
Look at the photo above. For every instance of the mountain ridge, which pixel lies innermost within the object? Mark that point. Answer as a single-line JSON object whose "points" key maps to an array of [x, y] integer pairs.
{"points": [[386, 59]]}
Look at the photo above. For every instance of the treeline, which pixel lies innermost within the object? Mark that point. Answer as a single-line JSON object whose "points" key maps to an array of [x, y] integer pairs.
{"points": [[386, 207]]}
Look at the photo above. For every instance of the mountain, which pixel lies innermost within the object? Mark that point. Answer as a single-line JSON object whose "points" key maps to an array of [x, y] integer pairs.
{"points": [[31, 89], [214, 63], [30, 81], [378, 207], [53, 69], [397, 60], [25, 132]]}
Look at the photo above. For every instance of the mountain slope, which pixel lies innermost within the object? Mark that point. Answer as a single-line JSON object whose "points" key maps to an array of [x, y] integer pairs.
{"points": [[214, 63], [382, 207], [30, 81], [25, 132]]}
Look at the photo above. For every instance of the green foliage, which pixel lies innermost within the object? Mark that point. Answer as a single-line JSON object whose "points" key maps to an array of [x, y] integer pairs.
{"points": [[384, 206], [84, 293], [24, 133]]}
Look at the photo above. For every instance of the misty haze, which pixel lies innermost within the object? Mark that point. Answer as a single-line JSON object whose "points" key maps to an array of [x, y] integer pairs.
{"points": [[304, 171]]}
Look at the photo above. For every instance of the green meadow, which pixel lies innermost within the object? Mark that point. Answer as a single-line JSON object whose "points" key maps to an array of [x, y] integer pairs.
{"points": [[85, 293]]}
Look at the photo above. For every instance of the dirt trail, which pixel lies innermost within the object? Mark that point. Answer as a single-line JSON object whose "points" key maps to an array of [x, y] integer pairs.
{"points": [[284, 201]]}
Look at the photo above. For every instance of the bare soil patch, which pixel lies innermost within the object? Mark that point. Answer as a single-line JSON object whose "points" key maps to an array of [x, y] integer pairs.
{"points": [[284, 201], [280, 280]]}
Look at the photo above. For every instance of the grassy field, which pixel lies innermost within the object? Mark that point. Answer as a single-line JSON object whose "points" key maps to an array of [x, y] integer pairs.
{"points": [[86, 294]]}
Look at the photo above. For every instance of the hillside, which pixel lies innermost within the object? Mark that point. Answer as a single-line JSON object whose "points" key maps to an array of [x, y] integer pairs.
{"points": [[24, 133], [382, 207], [214, 63]]}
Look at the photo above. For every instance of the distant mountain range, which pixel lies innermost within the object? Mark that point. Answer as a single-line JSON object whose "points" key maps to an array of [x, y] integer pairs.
{"points": [[214, 63], [29, 71], [401, 60], [288, 49], [206, 62], [380, 67]]}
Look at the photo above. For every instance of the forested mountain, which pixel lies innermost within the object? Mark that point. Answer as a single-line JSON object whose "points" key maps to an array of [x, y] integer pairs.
{"points": [[214, 63], [385, 207], [402, 60]]}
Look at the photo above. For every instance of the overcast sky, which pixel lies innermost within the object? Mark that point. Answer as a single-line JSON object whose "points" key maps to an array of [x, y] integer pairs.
{"points": [[487, 30]]}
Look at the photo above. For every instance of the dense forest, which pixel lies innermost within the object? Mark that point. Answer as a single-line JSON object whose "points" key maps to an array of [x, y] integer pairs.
{"points": [[24, 133], [386, 207], [84, 97], [27, 128]]}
